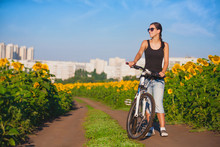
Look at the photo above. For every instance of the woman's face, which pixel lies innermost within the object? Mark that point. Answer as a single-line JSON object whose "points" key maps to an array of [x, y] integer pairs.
{"points": [[153, 31]]}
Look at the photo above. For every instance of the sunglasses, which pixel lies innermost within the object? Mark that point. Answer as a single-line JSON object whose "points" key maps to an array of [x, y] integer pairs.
{"points": [[150, 29]]}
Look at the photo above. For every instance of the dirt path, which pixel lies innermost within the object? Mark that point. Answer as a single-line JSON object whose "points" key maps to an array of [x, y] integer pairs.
{"points": [[179, 135], [66, 131]]}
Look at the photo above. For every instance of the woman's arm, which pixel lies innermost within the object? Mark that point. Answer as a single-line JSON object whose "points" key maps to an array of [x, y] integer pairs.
{"points": [[166, 59], [144, 45]]}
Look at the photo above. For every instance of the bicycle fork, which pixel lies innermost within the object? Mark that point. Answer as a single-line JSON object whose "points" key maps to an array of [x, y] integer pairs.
{"points": [[138, 96]]}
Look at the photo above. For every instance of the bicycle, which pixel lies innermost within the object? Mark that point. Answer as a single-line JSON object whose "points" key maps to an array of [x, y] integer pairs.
{"points": [[142, 112]]}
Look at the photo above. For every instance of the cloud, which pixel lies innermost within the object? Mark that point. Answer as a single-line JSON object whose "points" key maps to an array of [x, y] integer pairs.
{"points": [[188, 29]]}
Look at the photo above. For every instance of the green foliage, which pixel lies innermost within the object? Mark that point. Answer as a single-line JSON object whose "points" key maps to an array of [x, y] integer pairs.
{"points": [[83, 76], [101, 130], [27, 99], [130, 78]]}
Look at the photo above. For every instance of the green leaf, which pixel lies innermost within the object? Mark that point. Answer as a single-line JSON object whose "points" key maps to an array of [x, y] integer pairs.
{"points": [[12, 141], [13, 131], [2, 90]]}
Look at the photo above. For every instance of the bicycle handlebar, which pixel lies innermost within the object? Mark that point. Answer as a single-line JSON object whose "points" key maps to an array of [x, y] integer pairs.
{"points": [[136, 67], [146, 71]]}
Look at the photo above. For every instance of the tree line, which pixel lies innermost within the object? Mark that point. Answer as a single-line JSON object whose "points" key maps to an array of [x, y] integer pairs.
{"points": [[82, 76]]}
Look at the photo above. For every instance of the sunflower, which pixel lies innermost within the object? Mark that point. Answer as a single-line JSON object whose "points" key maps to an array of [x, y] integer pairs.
{"points": [[36, 84], [181, 84], [174, 70], [199, 60], [17, 66], [205, 63], [4, 61], [45, 66], [188, 77], [210, 57], [191, 70], [215, 59], [214, 69], [170, 91], [188, 65], [199, 68], [37, 66]]}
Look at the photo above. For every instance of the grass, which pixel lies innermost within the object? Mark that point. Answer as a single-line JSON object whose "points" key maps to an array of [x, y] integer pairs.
{"points": [[78, 100], [101, 130], [198, 130]]}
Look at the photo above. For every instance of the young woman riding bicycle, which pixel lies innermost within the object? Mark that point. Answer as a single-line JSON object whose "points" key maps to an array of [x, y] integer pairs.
{"points": [[155, 52]]}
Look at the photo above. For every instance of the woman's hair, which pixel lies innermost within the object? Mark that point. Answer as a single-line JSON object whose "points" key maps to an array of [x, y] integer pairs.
{"points": [[159, 27]]}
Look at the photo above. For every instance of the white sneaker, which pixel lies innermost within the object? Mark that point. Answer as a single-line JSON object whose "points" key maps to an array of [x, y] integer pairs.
{"points": [[163, 133], [150, 133]]}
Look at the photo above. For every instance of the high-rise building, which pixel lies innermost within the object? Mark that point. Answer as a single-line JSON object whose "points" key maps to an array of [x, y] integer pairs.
{"points": [[9, 51], [30, 53], [116, 61], [23, 53], [16, 52], [2, 50]]}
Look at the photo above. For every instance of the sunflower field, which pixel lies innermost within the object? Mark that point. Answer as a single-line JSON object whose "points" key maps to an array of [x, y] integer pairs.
{"points": [[27, 99], [191, 93]]}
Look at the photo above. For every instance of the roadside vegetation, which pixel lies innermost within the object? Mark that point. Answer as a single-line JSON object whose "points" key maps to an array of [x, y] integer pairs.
{"points": [[101, 130], [82, 76]]}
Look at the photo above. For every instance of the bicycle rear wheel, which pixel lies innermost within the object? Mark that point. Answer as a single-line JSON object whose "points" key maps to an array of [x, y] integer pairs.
{"points": [[138, 126]]}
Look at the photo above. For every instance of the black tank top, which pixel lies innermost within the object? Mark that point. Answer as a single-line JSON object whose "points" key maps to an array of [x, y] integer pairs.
{"points": [[154, 58]]}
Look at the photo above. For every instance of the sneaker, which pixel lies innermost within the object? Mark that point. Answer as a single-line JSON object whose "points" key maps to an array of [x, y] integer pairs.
{"points": [[163, 133], [150, 133]]}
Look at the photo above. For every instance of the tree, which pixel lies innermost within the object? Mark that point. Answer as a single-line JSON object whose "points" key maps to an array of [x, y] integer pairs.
{"points": [[131, 78], [83, 76]]}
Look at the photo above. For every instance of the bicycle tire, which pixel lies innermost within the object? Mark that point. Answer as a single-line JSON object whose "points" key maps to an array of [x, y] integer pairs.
{"points": [[136, 129]]}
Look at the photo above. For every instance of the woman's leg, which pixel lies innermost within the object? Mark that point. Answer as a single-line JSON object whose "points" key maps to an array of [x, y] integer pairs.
{"points": [[161, 118], [158, 91]]}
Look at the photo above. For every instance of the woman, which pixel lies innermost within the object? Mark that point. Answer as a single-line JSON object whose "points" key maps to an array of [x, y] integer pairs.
{"points": [[155, 52]]}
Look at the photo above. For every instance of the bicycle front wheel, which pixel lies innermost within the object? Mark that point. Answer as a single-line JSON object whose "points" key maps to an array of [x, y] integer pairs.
{"points": [[138, 126]]}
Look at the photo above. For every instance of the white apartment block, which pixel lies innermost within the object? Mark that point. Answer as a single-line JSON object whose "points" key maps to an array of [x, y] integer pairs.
{"points": [[2, 50], [99, 65], [30, 53], [23, 53], [9, 51]]}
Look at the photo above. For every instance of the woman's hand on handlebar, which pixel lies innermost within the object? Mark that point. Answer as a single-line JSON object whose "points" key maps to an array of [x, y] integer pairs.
{"points": [[162, 74], [130, 63]]}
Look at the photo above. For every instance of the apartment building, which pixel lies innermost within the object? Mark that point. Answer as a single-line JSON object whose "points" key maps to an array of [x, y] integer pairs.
{"points": [[11, 51]]}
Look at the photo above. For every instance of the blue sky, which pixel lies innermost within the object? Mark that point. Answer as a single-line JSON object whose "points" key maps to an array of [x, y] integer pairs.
{"points": [[80, 30]]}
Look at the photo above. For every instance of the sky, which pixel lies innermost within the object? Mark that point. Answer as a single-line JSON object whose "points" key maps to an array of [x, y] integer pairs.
{"points": [[80, 30]]}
